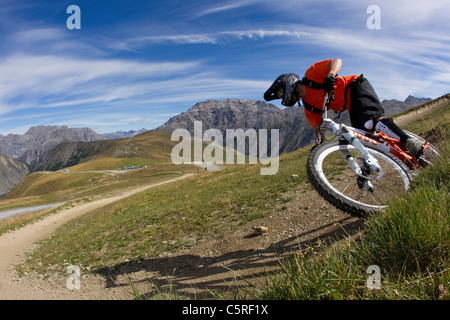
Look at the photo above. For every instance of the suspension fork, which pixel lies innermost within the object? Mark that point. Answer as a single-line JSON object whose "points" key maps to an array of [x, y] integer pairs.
{"points": [[370, 162], [362, 173]]}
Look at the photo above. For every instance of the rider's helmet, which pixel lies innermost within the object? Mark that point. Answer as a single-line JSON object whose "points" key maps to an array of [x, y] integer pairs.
{"points": [[283, 88]]}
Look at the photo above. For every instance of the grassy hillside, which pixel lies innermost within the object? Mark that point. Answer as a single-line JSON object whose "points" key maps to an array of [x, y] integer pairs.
{"points": [[434, 126], [173, 216], [153, 146], [409, 243], [65, 185], [96, 170]]}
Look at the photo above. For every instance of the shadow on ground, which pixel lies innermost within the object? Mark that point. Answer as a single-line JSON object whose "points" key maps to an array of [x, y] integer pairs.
{"points": [[193, 276]]}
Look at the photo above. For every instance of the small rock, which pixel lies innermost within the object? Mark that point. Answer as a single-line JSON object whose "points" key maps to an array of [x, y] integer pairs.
{"points": [[260, 230]]}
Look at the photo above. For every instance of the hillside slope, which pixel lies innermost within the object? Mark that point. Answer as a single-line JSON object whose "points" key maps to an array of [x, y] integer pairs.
{"points": [[151, 145], [94, 168], [12, 171]]}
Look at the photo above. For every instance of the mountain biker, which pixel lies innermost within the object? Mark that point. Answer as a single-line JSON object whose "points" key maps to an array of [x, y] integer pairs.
{"points": [[353, 93]]}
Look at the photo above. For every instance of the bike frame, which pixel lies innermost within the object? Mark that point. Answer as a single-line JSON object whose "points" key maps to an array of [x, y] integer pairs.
{"points": [[360, 138]]}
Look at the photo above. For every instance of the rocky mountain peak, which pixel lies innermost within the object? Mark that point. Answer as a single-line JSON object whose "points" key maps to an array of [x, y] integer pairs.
{"points": [[37, 130], [414, 101], [228, 114], [39, 139]]}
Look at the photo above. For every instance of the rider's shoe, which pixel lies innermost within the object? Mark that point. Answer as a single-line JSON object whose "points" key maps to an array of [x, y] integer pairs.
{"points": [[414, 147]]}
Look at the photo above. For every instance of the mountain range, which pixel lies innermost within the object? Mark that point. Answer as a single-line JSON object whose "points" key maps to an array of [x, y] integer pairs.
{"points": [[394, 106], [55, 147], [29, 147], [21, 153]]}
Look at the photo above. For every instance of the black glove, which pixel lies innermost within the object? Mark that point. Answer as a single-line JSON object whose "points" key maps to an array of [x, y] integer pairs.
{"points": [[328, 83]]}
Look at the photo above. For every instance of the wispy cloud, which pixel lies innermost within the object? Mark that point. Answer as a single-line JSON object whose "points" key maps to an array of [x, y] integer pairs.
{"points": [[66, 81], [413, 14], [222, 8], [417, 50], [220, 37], [216, 7]]}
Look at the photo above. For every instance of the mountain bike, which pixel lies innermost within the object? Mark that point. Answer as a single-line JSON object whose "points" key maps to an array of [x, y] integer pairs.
{"points": [[360, 171]]}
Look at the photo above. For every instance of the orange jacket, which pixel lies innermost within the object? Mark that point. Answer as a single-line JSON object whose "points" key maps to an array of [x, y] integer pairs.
{"points": [[315, 97]]}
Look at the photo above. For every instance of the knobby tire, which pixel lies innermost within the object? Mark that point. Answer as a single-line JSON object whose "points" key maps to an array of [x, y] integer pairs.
{"points": [[332, 177]]}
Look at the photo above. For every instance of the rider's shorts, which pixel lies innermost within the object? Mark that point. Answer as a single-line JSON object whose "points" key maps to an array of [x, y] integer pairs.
{"points": [[365, 104]]}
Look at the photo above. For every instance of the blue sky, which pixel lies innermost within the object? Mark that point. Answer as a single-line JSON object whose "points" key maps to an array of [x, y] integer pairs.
{"points": [[134, 64]]}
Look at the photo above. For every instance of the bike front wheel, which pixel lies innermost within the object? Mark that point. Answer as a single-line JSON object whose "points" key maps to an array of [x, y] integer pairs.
{"points": [[332, 176]]}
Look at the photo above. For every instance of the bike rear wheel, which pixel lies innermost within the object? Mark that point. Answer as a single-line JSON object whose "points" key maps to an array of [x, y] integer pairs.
{"points": [[333, 178], [430, 153]]}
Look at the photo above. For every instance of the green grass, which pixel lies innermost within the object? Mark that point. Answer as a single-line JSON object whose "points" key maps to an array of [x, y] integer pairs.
{"points": [[434, 126]]}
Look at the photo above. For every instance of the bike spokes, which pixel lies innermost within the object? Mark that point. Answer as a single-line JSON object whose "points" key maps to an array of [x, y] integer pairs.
{"points": [[338, 182]]}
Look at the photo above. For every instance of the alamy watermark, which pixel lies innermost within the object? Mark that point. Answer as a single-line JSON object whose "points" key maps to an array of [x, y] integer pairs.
{"points": [[73, 282], [234, 148], [374, 20], [74, 21], [374, 280]]}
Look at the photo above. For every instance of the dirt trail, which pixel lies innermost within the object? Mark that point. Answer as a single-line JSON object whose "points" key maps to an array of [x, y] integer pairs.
{"points": [[432, 106]]}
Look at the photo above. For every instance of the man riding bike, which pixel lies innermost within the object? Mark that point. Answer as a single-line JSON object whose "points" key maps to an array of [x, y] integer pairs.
{"points": [[353, 93]]}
